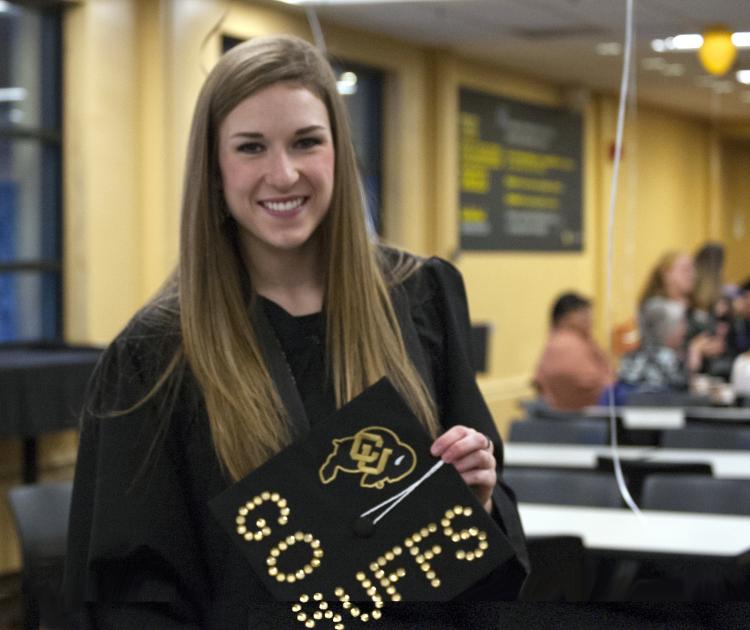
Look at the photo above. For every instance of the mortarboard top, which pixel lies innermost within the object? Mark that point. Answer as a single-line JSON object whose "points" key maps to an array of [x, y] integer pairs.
{"points": [[316, 524]]}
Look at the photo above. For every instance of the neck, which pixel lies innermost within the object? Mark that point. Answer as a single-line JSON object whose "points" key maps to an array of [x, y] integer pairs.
{"points": [[293, 279], [677, 296]]}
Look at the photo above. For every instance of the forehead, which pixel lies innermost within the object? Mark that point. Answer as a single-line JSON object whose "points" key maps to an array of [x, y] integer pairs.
{"points": [[281, 107]]}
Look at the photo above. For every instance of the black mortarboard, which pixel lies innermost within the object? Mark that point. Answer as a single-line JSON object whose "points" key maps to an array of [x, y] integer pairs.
{"points": [[321, 522]]}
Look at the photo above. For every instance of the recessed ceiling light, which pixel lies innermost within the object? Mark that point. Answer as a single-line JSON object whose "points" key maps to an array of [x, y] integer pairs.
{"points": [[653, 63], [743, 76], [693, 41], [705, 81], [688, 41], [609, 49], [723, 87], [673, 70]]}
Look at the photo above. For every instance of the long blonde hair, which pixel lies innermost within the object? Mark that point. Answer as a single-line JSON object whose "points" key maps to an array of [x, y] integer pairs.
{"points": [[364, 343], [709, 262], [655, 285]]}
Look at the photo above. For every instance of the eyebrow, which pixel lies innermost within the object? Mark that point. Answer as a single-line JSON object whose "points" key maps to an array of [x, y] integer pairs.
{"points": [[258, 135]]}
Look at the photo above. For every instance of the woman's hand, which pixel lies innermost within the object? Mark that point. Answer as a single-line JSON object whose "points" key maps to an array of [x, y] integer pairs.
{"points": [[471, 453]]}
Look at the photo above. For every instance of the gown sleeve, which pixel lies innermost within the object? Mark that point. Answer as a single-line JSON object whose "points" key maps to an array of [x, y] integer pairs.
{"points": [[132, 559], [443, 322]]}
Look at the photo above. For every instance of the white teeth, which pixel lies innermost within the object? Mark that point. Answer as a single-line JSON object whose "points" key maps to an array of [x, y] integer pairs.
{"points": [[284, 206]]}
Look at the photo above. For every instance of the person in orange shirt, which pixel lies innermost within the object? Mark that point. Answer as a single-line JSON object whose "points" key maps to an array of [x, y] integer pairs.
{"points": [[572, 371]]}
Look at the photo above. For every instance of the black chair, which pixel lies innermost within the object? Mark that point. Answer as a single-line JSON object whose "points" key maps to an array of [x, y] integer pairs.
{"points": [[557, 570], [667, 399], [580, 431], [719, 437], [563, 487], [697, 493], [41, 515]]}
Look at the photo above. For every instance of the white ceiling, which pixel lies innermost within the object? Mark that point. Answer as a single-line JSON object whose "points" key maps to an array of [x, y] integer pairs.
{"points": [[556, 40]]}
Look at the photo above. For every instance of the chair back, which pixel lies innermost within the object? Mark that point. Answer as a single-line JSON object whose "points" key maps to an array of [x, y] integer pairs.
{"points": [[563, 487], [579, 431], [719, 437], [40, 512], [696, 493]]}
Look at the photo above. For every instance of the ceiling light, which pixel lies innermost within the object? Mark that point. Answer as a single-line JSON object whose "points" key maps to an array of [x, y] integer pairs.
{"points": [[689, 41], [705, 80], [723, 87], [653, 63], [609, 49], [743, 76], [673, 70], [693, 41]]}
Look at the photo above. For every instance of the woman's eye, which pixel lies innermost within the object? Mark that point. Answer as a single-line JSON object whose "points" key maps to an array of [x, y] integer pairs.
{"points": [[250, 147], [308, 143]]}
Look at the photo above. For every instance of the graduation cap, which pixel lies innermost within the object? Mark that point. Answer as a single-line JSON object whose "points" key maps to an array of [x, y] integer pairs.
{"points": [[358, 513]]}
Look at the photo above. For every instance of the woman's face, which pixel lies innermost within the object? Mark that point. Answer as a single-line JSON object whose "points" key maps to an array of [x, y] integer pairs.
{"points": [[679, 279], [276, 158]]}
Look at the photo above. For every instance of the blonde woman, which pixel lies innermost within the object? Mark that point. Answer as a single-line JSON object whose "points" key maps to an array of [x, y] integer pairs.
{"points": [[673, 278], [281, 310]]}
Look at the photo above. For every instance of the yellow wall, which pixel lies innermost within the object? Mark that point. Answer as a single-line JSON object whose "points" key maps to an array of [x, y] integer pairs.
{"points": [[736, 210], [664, 199], [133, 69]]}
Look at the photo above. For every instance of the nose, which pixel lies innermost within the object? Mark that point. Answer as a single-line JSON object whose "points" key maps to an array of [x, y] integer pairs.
{"points": [[282, 172]]}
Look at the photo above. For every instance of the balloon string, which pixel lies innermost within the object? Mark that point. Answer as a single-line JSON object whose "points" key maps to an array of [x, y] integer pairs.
{"points": [[627, 54], [400, 496]]}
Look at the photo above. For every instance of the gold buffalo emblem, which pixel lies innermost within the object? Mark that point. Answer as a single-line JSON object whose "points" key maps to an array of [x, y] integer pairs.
{"points": [[374, 452]]}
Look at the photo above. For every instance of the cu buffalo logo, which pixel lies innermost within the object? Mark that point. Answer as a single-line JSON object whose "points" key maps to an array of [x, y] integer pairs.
{"points": [[376, 453]]}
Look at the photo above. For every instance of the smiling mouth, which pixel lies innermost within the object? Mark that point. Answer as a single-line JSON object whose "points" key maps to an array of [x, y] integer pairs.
{"points": [[286, 206]]}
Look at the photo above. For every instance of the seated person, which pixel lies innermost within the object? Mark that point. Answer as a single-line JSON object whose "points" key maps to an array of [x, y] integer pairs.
{"points": [[739, 336], [661, 364], [741, 376], [572, 371]]}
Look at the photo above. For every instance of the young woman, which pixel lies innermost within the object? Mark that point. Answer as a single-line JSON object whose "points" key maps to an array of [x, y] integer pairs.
{"points": [[281, 310], [672, 278]]}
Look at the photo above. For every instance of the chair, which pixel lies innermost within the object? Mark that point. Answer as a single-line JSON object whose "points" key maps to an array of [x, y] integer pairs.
{"points": [[563, 487], [719, 437], [667, 399], [41, 515], [697, 493], [581, 431], [557, 570]]}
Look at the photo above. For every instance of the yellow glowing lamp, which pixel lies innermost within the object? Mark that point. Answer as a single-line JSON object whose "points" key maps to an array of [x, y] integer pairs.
{"points": [[718, 52]]}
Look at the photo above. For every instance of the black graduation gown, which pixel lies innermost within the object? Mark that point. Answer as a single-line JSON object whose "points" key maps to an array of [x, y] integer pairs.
{"points": [[144, 551]]}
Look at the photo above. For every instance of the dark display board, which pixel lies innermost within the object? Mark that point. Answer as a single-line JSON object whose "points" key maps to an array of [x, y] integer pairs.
{"points": [[520, 175]]}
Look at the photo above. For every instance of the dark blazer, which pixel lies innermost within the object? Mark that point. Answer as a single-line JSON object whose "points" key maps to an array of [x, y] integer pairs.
{"points": [[144, 549]]}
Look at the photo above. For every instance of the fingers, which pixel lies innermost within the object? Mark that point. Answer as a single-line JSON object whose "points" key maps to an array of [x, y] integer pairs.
{"points": [[458, 442], [471, 453], [476, 459], [483, 478]]}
